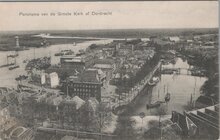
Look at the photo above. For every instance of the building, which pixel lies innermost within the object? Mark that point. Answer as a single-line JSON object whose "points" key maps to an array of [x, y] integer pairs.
{"points": [[72, 62], [107, 66], [87, 84], [174, 39], [9, 128], [187, 127], [108, 52], [207, 121], [78, 63], [54, 80], [21, 133]]}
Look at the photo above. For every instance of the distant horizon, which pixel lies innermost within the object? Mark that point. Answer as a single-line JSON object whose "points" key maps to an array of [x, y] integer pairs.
{"points": [[189, 28]]}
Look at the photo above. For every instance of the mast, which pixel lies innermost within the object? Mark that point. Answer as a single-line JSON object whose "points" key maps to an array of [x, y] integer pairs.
{"points": [[7, 60], [158, 93], [191, 100], [164, 88]]}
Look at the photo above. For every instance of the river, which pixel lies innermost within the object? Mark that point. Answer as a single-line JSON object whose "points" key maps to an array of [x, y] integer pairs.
{"points": [[7, 77]]}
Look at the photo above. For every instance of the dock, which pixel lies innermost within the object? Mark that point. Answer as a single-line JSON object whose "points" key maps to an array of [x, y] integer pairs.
{"points": [[132, 94]]}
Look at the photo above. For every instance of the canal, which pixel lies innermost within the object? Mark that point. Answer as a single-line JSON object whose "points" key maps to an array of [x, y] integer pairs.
{"points": [[182, 88]]}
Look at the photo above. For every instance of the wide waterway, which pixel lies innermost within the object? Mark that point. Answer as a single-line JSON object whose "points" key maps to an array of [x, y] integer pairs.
{"points": [[181, 87], [7, 77]]}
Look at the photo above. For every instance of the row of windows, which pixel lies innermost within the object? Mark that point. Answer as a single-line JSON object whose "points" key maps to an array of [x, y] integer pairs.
{"points": [[84, 95], [84, 90], [82, 85]]}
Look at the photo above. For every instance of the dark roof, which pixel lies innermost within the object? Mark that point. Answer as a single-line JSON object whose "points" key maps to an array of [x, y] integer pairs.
{"points": [[104, 61], [90, 75]]}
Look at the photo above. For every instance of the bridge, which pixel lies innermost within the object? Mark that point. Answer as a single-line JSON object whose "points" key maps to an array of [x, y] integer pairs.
{"points": [[179, 71]]}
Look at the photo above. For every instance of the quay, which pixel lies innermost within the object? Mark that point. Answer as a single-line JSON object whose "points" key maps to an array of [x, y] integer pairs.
{"points": [[134, 92]]}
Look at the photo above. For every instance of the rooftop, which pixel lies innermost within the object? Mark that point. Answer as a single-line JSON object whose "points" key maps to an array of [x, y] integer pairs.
{"points": [[90, 75]]}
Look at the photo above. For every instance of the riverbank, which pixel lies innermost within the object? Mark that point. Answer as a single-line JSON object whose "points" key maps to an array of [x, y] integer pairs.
{"points": [[9, 76], [181, 88], [27, 41], [134, 92]]}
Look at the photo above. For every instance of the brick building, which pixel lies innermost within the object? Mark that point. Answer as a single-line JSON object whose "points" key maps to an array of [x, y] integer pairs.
{"points": [[87, 84]]}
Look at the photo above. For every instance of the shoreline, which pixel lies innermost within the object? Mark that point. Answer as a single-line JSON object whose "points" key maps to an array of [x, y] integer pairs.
{"points": [[138, 91]]}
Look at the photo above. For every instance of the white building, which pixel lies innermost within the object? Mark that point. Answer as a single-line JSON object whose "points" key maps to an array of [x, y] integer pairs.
{"points": [[54, 80]]}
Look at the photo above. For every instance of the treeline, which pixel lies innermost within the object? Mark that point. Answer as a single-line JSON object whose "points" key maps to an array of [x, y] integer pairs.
{"points": [[125, 84], [208, 60]]}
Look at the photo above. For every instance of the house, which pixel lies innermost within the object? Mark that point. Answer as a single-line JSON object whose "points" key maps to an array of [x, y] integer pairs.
{"points": [[54, 80]]}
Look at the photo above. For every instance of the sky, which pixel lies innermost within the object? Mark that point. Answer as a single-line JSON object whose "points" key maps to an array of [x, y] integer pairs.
{"points": [[124, 15]]}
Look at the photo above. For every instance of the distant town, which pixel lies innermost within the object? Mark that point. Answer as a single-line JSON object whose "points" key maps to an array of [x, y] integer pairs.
{"points": [[63, 86]]}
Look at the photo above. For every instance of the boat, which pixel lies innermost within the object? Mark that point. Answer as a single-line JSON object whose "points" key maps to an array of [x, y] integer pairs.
{"points": [[153, 81], [7, 64], [21, 77], [64, 52], [81, 52], [167, 97], [154, 105], [13, 67]]}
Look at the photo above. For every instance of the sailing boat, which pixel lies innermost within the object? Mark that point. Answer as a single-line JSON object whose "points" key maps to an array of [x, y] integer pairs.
{"points": [[7, 64], [14, 66], [167, 97]]}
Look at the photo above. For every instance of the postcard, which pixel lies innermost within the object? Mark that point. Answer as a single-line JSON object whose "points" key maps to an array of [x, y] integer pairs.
{"points": [[114, 70]]}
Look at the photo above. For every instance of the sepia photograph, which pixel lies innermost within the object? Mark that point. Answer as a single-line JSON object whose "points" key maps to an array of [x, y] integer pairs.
{"points": [[145, 70]]}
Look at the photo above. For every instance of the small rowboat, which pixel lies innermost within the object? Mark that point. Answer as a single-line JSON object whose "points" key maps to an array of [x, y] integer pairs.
{"points": [[154, 81], [154, 105], [151, 83], [13, 67]]}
